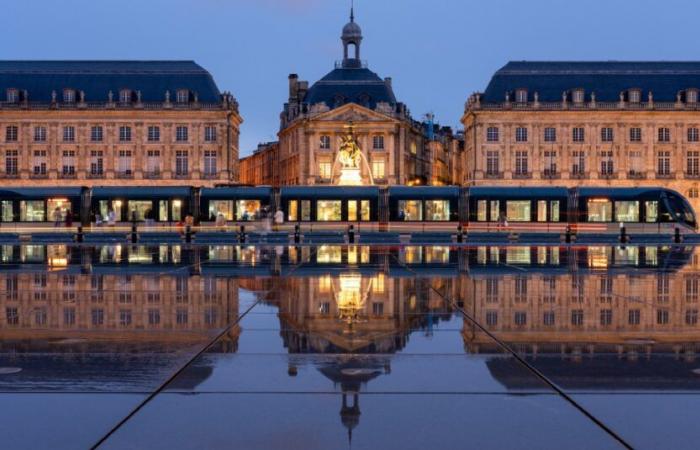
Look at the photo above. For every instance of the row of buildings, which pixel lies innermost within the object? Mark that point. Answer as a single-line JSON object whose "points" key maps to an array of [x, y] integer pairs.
{"points": [[142, 123]]}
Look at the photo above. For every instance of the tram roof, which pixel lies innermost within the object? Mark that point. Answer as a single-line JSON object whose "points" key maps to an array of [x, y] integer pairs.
{"points": [[618, 193], [331, 192], [413, 192], [520, 192], [40, 192], [143, 192], [237, 192]]}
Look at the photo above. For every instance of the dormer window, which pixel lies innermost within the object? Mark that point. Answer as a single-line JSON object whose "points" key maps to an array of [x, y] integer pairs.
{"points": [[578, 96], [691, 96], [183, 96], [521, 95], [125, 96], [635, 96], [68, 96], [12, 95]]}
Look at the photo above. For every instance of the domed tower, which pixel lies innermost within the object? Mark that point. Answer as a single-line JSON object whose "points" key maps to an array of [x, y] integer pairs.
{"points": [[352, 37]]}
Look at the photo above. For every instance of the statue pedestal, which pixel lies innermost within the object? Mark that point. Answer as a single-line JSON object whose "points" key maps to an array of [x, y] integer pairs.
{"points": [[350, 177]]}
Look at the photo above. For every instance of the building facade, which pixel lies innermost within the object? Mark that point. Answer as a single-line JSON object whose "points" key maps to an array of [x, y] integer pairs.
{"points": [[86, 123], [350, 100], [587, 123], [261, 168]]}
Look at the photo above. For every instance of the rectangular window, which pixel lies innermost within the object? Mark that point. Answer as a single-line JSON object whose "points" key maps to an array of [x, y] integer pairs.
{"points": [[292, 211], [12, 162], [492, 134], [554, 210], [519, 210], [542, 211], [579, 163], [664, 163], [124, 317], [550, 163], [693, 135], [247, 209], [68, 163], [324, 170], [96, 162], [7, 211], [325, 143], [153, 134], [378, 142], [11, 133], [181, 134], [578, 134], [652, 211], [577, 317], [693, 164], [378, 169], [306, 210], [664, 135], [32, 211], [328, 210], [548, 318], [223, 207], [481, 210], [606, 134], [125, 162], [599, 210], [181, 163], [153, 163], [606, 316], [492, 318], [210, 157], [96, 134], [437, 210], [606, 163], [68, 134], [521, 134], [495, 210], [521, 166], [662, 316], [520, 318], [410, 210], [492, 162], [635, 134], [124, 134], [154, 317], [98, 317], [634, 317], [550, 134], [365, 210], [691, 317], [138, 209], [210, 134], [627, 211], [40, 134]]}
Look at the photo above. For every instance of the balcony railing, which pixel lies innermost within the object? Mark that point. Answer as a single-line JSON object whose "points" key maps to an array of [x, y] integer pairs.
{"points": [[38, 175], [635, 175], [67, 175], [10, 175], [551, 175], [182, 176], [522, 175], [209, 176], [692, 176], [608, 176], [95, 175], [665, 176], [124, 174], [493, 175]]}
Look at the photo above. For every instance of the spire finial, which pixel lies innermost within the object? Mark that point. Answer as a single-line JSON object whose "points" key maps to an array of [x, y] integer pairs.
{"points": [[352, 10]]}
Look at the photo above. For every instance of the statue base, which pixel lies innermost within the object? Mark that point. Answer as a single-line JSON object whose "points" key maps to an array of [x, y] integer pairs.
{"points": [[350, 177]]}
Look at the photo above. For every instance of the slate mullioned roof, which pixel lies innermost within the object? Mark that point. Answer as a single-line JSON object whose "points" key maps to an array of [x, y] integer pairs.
{"points": [[350, 85], [97, 78], [665, 79]]}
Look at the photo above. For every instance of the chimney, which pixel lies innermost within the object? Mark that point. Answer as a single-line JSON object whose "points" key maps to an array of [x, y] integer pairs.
{"points": [[293, 86], [388, 82], [303, 88]]}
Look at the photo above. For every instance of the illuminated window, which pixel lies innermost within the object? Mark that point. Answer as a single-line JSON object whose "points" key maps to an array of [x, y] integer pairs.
{"points": [[328, 210], [599, 210], [378, 169], [481, 211], [325, 284], [247, 209], [363, 213], [578, 96], [58, 207], [437, 210], [292, 211], [410, 210], [68, 96], [627, 211], [224, 207], [691, 96], [519, 210], [324, 170], [31, 211], [414, 148]]}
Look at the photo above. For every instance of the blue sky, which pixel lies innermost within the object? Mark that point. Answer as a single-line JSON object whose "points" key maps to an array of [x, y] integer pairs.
{"points": [[437, 51]]}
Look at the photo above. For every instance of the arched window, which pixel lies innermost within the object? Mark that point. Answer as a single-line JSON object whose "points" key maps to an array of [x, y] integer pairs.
{"points": [[68, 96], [521, 95], [578, 96], [635, 95], [183, 96], [125, 96]]}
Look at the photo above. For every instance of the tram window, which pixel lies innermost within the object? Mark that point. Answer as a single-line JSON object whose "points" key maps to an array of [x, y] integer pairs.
{"points": [[365, 210], [495, 210], [163, 210], [542, 211], [176, 210], [627, 211], [292, 213], [247, 209], [437, 210], [31, 210], [117, 206], [554, 210], [103, 209], [652, 208], [7, 214], [599, 210], [352, 210], [140, 207], [306, 210], [328, 210], [62, 204], [518, 210], [410, 210], [481, 211], [224, 207]]}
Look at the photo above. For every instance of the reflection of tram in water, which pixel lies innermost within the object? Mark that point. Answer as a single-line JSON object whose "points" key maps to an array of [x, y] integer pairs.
{"points": [[479, 208]]}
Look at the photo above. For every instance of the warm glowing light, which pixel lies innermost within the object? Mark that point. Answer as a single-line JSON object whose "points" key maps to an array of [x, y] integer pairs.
{"points": [[350, 177], [177, 203], [118, 203]]}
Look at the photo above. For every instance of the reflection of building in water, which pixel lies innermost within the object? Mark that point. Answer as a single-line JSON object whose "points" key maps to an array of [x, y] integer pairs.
{"points": [[591, 326]]}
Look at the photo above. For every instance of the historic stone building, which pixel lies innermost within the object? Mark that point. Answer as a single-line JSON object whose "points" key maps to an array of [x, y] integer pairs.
{"points": [[260, 168], [316, 121], [86, 123], [587, 123]]}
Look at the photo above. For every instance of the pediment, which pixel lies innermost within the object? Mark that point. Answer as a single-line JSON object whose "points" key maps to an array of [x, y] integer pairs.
{"points": [[352, 113]]}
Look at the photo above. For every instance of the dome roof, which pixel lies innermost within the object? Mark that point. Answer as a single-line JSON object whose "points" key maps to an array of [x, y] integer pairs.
{"points": [[350, 85], [352, 31]]}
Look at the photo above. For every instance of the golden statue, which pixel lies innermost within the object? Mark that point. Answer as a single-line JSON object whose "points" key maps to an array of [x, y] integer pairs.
{"points": [[349, 155]]}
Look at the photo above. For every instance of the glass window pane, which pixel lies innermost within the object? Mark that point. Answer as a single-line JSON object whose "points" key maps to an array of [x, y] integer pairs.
{"points": [[140, 207], [652, 208], [176, 210], [481, 211], [163, 211], [247, 209], [495, 211], [437, 210], [599, 210], [352, 210], [57, 207], [117, 206], [365, 210], [217, 207], [306, 210], [292, 214], [103, 209], [410, 210], [31, 210], [7, 214], [542, 211], [554, 207], [627, 211], [518, 210], [328, 210]]}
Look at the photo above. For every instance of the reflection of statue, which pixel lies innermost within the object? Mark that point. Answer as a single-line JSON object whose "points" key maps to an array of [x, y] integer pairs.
{"points": [[350, 153]]}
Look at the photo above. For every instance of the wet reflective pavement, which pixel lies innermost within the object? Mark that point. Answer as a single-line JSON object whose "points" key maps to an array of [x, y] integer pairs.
{"points": [[349, 347]]}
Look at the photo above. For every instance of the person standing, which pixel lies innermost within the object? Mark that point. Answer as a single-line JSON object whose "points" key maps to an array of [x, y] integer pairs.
{"points": [[57, 217]]}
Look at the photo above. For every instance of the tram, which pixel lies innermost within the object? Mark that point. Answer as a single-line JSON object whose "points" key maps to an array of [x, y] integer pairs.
{"points": [[483, 208]]}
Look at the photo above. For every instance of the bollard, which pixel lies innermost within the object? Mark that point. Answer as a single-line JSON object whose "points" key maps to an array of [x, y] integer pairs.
{"points": [[241, 235], [677, 235], [188, 234], [79, 237], [297, 233], [567, 237], [351, 234], [460, 234], [134, 234], [623, 233]]}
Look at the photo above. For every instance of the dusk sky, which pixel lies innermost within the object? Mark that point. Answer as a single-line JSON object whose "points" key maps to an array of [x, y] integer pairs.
{"points": [[438, 51]]}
